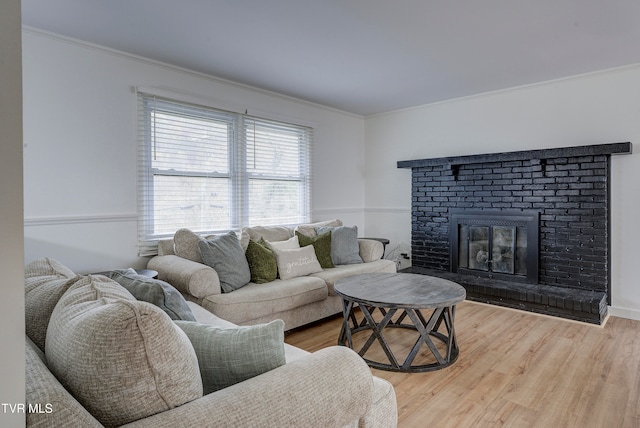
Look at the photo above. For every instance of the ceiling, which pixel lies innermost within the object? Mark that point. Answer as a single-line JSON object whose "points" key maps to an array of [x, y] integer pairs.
{"points": [[361, 56]]}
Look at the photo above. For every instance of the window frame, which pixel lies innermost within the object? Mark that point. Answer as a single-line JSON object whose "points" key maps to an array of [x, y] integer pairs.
{"points": [[238, 171]]}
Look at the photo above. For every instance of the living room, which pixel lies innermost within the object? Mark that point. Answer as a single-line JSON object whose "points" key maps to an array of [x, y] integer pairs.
{"points": [[79, 149]]}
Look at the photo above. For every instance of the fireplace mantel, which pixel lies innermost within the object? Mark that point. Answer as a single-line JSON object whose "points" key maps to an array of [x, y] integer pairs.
{"points": [[597, 149], [570, 189]]}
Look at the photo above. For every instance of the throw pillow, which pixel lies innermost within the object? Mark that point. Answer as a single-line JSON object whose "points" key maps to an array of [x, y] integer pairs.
{"points": [[45, 282], [289, 244], [224, 254], [122, 359], [262, 262], [297, 262], [227, 356], [345, 249], [322, 245], [159, 293]]}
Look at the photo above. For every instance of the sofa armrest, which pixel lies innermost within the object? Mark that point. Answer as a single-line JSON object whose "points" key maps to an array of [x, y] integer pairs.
{"points": [[187, 276], [56, 405], [332, 387], [370, 250]]}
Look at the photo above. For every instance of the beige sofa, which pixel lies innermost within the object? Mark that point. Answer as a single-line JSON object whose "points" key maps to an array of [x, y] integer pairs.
{"points": [[297, 301], [96, 356]]}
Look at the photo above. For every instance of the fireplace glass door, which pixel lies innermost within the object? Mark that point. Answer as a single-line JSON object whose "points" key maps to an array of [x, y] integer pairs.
{"points": [[500, 249], [494, 245], [503, 251]]}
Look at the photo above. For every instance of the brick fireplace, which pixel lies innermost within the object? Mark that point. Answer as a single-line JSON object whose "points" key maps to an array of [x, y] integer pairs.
{"points": [[565, 190]]}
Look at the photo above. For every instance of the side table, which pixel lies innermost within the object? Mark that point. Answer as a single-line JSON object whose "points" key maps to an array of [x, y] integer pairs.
{"points": [[147, 272]]}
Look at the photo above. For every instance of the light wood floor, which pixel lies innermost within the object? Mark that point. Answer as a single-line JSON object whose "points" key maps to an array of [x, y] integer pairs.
{"points": [[516, 369]]}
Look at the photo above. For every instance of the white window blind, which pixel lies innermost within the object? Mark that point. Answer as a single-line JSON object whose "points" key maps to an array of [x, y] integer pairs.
{"points": [[214, 171]]}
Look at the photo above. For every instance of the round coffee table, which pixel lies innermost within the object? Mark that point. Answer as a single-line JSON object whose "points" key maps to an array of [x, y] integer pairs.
{"points": [[405, 295]]}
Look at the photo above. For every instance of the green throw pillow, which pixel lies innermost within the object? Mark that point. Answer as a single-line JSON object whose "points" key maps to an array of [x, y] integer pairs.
{"points": [[262, 262], [227, 356], [322, 246]]}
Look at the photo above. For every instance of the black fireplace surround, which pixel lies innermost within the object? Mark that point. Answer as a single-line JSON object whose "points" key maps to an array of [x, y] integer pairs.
{"points": [[495, 244], [491, 197]]}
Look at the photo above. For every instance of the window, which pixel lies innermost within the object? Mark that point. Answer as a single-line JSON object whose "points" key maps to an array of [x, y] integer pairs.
{"points": [[214, 171]]}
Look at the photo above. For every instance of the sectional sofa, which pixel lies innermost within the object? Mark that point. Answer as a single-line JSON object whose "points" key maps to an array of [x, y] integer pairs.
{"points": [[97, 355], [297, 299]]}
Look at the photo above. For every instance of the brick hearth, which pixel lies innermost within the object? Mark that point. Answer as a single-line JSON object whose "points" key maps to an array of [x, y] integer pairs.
{"points": [[570, 187]]}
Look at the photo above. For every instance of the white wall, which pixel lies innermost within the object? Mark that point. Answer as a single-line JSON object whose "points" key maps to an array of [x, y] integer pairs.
{"points": [[12, 386], [80, 148], [590, 109]]}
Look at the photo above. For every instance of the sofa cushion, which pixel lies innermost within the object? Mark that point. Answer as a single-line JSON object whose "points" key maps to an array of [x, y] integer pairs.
{"points": [[309, 229], [297, 262], [262, 262], [120, 358], [330, 276], [227, 356], [259, 300], [186, 245], [159, 293], [345, 249], [322, 245], [225, 254], [46, 280], [269, 233]]}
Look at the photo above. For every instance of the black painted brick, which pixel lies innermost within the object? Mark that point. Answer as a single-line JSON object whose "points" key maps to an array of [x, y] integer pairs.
{"points": [[570, 193]]}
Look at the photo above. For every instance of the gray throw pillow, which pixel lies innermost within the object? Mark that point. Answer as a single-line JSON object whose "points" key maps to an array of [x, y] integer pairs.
{"points": [[159, 293], [225, 254], [227, 356], [345, 249]]}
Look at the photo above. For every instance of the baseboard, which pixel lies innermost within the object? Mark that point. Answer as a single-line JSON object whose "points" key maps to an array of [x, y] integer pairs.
{"points": [[632, 314]]}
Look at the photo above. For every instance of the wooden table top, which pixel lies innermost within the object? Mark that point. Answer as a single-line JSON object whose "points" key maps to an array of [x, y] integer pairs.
{"points": [[401, 290]]}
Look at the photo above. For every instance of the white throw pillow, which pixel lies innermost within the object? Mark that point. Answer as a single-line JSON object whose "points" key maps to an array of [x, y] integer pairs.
{"points": [[289, 244], [297, 262]]}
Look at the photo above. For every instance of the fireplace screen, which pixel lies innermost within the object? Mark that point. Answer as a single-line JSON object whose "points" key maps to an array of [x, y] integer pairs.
{"points": [[501, 249], [495, 243]]}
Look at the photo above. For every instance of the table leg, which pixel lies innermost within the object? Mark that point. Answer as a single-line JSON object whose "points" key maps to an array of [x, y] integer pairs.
{"points": [[345, 337], [376, 333], [427, 330]]}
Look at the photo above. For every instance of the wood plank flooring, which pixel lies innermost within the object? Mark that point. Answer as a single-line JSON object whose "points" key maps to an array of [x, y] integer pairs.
{"points": [[516, 369]]}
